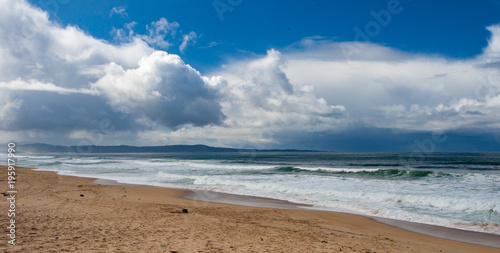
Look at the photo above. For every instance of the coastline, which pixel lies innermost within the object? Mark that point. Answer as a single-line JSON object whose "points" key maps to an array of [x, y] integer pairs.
{"points": [[460, 235], [54, 216]]}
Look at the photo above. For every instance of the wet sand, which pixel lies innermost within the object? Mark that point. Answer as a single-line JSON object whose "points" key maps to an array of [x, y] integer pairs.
{"points": [[53, 216]]}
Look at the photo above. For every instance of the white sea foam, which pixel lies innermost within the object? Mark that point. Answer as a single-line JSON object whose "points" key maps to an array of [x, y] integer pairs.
{"points": [[39, 157], [462, 200], [346, 170], [198, 165]]}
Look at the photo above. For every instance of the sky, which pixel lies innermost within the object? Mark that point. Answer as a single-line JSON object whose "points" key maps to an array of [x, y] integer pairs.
{"points": [[392, 75]]}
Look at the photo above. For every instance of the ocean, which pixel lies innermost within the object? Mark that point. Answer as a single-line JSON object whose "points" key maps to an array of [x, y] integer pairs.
{"points": [[457, 190]]}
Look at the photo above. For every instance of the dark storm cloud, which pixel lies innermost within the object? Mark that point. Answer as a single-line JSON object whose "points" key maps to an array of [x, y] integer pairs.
{"points": [[62, 113]]}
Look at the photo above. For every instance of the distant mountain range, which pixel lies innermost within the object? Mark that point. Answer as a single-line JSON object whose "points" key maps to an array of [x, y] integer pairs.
{"points": [[47, 148]]}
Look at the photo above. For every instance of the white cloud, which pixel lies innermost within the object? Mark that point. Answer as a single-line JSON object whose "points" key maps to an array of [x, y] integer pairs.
{"points": [[162, 89], [34, 85], [53, 81], [386, 88], [125, 34], [313, 88], [120, 10], [492, 51], [189, 38], [211, 44], [158, 32], [261, 103], [60, 82]]}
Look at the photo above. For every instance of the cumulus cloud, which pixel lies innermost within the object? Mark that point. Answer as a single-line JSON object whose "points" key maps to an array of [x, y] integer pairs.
{"points": [[35, 48], [312, 93], [163, 89], [261, 104], [60, 80], [261, 91], [387, 88], [492, 51]]}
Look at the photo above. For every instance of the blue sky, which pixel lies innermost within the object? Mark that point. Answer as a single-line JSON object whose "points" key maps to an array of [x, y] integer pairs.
{"points": [[450, 28], [386, 75]]}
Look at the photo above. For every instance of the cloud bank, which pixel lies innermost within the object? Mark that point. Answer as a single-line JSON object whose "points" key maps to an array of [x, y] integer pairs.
{"points": [[392, 89]]}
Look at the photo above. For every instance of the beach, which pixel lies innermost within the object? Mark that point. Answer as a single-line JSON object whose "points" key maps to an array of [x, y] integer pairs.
{"points": [[66, 214]]}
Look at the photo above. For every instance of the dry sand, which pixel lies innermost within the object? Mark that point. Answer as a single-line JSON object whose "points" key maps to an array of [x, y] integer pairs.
{"points": [[51, 216]]}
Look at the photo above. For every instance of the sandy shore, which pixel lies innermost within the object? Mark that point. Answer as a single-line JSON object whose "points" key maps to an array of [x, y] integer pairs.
{"points": [[53, 216]]}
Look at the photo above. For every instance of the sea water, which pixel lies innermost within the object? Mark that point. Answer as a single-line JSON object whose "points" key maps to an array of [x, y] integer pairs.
{"points": [[458, 190]]}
